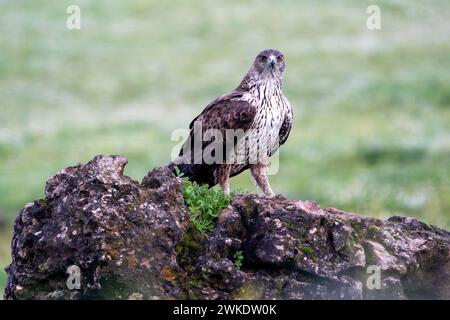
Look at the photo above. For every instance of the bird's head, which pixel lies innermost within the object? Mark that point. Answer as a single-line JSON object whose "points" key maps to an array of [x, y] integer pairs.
{"points": [[267, 69], [269, 62]]}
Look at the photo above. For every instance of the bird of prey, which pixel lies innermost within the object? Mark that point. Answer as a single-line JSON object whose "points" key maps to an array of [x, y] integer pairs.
{"points": [[248, 124]]}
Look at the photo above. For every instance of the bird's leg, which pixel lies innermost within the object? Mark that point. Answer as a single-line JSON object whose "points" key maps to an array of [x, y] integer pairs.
{"points": [[224, 178], [259, 173]]}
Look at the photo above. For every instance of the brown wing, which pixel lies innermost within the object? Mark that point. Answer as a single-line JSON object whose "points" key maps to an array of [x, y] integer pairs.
{"points": [[285, 128], [229, 108], [226, 112]]}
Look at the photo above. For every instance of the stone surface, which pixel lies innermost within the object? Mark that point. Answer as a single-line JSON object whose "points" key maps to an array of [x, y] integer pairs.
{"points": [[135, 241]]}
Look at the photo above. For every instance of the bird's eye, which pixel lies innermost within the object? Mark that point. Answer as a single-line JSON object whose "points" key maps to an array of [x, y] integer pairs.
{"points": [[280, 57], [262, 58]]}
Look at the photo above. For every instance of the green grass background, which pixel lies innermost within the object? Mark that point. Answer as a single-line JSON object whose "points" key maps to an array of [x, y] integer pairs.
{"points": [[372, 108]]}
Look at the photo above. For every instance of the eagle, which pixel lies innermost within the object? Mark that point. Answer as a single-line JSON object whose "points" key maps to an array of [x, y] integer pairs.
{"points": [[248, 126]]}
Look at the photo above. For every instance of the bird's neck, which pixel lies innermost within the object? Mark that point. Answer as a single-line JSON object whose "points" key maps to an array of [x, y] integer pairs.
{"points": [[265, 89], [262, 87]]}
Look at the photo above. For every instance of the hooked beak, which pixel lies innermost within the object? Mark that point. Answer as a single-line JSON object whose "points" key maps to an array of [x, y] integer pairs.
{"points": [[272, 60]]}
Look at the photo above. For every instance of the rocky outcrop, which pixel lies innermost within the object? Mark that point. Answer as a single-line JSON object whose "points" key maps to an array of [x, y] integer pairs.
{"points": [[131, 240]]}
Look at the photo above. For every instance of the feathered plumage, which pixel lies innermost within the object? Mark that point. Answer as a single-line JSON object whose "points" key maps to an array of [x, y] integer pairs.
{"points": [[258, 110]]}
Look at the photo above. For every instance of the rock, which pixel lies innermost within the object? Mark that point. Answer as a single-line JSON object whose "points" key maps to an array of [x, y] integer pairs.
{"points": [[109, 226], [134, 240]]}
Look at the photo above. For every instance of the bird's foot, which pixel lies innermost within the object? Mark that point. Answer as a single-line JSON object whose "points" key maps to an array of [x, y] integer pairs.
{"points": [[269, 194]]}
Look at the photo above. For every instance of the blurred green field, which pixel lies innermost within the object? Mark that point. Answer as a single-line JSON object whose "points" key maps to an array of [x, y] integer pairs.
{"points": [[372, 108]]}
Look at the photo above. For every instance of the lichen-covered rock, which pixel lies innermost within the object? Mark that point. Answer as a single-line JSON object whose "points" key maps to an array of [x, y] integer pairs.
{"points": [[111, 227], [134, 241]]}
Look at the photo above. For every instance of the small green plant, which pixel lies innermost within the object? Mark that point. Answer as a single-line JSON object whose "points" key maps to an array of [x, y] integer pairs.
{"points": [[238, 259], [204, 203], [352, 240], [373, 230], [306, 250]]}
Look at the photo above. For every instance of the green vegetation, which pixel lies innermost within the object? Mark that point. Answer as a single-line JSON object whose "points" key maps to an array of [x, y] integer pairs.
{"points": [[306, 250], [352, 240], [204, 204], [372, 108], [238, 259], [5, 259]]}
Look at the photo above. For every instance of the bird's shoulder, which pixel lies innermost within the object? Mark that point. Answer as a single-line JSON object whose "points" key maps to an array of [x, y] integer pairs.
{"points": [[230, 111]]}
